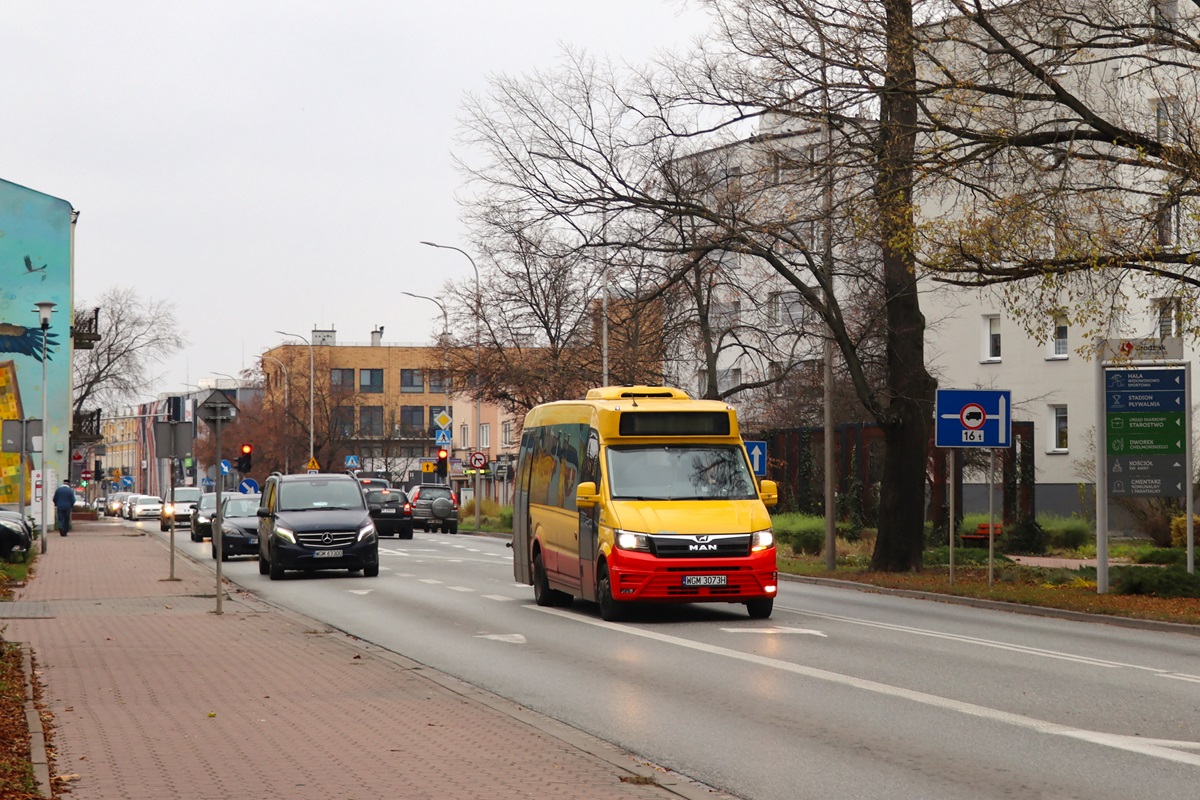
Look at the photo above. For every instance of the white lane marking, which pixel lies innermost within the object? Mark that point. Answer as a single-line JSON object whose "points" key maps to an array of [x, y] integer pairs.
{"points": [[460, 588], [497, 597], [430, 580], [1157, 748], [511, 638], [360, 591], [405, 574], [390, 552], [1179, 676], [1015, 648], [808, 631]]}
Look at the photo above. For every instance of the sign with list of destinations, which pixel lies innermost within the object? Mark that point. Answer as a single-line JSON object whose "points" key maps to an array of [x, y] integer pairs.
{"points": [[1145, 424]]}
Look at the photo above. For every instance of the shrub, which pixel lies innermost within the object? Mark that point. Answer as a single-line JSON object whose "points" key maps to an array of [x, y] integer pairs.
{"points": [[1155, 582], [804, 533], [1026, 536], [506, 516], [1179, 529], [1161, 555], [963, 556], [1066, 533]]}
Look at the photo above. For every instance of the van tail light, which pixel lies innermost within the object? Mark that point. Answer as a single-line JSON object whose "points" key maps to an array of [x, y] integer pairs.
{"points": [[454, 499]]}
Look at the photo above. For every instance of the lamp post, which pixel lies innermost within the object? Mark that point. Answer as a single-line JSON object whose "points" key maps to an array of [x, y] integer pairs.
{"points": [[311, 384], [286, 405], [45, 309], [445, 333], [478, 359]]}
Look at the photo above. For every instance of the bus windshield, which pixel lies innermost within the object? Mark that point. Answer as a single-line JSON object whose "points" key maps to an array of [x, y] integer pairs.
{"points": [[680, 472]]}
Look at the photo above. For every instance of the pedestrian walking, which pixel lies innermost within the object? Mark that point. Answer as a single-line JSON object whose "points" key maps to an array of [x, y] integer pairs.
{"points": [[64, 501]]}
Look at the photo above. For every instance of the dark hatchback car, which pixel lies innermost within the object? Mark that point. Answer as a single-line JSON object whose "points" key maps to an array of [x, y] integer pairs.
{"points": [[315, 521], [16, 536], [202, 516], [239, 526], [391, 512]]}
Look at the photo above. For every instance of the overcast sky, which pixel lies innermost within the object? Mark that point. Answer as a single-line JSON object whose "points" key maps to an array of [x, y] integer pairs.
{"points": [[273, 165]]}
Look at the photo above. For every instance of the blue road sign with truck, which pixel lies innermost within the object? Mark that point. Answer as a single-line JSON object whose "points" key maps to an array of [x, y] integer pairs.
{"points": [[973, 418]]}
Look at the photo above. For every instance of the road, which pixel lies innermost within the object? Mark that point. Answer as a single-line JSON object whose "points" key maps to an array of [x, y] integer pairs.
{"points": [[841, 694]]}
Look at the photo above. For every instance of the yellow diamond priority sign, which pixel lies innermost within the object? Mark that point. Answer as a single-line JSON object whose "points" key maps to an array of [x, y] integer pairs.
{"points": [[443, 419]]}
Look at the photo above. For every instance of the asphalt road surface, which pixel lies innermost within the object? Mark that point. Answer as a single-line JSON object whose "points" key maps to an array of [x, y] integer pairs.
{"points": [[841, 694]]}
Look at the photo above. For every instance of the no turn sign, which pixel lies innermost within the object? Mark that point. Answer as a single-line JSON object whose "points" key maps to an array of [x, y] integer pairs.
{"points": [[478, 460]]}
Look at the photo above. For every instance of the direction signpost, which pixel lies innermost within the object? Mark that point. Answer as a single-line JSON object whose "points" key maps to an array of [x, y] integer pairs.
{"points": [[1144, 408], [758, 457]]}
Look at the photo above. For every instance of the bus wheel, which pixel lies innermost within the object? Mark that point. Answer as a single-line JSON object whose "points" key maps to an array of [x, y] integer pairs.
{"points": [[610, 609], [761, 608], [543, 595]]}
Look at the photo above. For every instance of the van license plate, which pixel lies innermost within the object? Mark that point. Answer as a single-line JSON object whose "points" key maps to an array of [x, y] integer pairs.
{"points": [[704, 580], [327, 554]]}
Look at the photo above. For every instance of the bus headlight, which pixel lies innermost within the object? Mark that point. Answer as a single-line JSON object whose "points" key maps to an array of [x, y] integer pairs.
{"points": [[628, 540], [762, 540]]}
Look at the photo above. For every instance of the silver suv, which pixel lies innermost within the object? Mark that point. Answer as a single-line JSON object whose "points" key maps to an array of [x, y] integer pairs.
{"points": [[434, 507]]}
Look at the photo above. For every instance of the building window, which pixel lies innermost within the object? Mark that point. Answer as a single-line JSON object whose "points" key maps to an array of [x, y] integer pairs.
{"points": [[412, 380], [342, 380], [370, 381], [412, 420], [1170, 316], [464, 439], [1058, 415], [343, 422], [1058, 341], [725, 316], [1166, 224], [786, 308], [439, 383], [485, 436], [412, 451], [506, 439], [370, 421], [991, 333]]}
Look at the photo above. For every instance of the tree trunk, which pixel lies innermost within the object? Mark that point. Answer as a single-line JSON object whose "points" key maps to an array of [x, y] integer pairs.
{"points": [[909, 391]]}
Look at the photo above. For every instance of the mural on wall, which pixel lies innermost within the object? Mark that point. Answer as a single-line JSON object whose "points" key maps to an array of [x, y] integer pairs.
{"points": [[35, 267]]}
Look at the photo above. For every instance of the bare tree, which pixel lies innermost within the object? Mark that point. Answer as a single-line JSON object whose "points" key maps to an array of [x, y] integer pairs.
{"points": [[135, 334], [585, 144]]}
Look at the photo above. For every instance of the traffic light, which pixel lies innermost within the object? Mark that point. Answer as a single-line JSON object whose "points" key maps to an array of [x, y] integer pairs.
{"points": [[443, 462], [244, 461]]}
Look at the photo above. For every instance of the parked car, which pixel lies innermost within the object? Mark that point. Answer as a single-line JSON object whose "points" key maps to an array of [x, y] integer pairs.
{"points": [[116, 502], [146, 506], [16, 535], [202, 516], [435, 507], [315, 521], [100, 504], [180, 510], [391, 511], [239, 526]]}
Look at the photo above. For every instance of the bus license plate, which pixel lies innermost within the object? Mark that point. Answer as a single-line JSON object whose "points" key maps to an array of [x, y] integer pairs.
{"points": [[703, 580], [327, 554]]}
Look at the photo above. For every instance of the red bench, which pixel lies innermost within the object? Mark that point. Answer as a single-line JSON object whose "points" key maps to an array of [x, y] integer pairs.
{"points": [[982, 533]]}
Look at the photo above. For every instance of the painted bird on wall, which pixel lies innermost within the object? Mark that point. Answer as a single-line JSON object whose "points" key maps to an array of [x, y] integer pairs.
{"points": [[30, 269], [26, 341]]}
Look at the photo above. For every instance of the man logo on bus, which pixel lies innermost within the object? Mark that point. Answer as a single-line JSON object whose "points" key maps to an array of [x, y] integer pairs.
{"points": [[701, 543]]}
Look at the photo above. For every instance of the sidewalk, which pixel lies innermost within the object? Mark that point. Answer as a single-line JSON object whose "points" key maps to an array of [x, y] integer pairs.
{"points": [[153, 695]]}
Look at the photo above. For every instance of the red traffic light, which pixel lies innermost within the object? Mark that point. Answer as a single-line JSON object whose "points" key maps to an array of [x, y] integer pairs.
{"points": [[443, 453], [247, 449]]}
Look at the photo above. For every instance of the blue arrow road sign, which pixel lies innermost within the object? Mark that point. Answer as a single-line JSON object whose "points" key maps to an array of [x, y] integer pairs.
{"points": [[974, 418], [758, 458], [442, 438], [127, 480], [248, 486], [224, 466]]}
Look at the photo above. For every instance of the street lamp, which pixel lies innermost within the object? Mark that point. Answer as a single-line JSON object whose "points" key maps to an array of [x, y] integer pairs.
{"points": [[286, 405], [311, 384], [478, 359], [45, 309]]}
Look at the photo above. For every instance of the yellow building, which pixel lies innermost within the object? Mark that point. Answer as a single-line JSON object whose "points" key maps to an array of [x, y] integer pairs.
{"points": [[381, 406]]}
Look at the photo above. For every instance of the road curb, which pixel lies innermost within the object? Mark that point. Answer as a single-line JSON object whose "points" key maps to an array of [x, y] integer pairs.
{"points": [[1001, 605], [39, 759]]}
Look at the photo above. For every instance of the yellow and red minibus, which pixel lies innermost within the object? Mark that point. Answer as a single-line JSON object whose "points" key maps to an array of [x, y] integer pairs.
{"points": [[641, 494]]}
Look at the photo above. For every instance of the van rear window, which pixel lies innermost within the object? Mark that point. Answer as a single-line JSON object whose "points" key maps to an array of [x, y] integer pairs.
{"points": [[674, 423]]}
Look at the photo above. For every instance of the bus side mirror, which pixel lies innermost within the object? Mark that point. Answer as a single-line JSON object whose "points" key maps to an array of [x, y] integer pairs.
{"points": [[768, 492], [586, 495]]}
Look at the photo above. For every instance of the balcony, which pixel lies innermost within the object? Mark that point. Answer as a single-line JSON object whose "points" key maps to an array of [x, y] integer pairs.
{"points": [[85, 329], [85, 428]]}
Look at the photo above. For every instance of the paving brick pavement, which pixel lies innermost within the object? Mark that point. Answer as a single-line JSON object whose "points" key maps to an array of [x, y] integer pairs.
{"points": [[155, 696]]}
